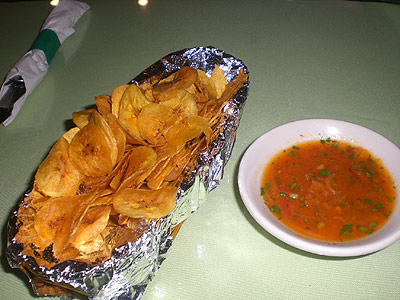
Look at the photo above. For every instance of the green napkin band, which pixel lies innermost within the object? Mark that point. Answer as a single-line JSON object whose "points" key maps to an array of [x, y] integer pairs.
{"points": [[48, 42]]}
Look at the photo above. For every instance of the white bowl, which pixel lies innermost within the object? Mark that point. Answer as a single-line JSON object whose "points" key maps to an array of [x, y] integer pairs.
{"points": [[262, 150]]}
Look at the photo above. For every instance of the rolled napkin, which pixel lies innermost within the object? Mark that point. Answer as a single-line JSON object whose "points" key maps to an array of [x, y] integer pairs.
{"points": [[27, 73]]}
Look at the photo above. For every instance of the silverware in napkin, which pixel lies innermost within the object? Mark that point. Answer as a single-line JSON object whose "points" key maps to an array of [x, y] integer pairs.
{"points": [[27, 73]]}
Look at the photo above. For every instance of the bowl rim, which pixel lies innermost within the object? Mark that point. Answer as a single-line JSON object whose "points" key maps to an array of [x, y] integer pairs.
{"points": [[379, 240]]}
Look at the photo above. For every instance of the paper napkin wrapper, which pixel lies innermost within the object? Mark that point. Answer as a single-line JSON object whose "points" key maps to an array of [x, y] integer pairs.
{"points": [[33, 66]]}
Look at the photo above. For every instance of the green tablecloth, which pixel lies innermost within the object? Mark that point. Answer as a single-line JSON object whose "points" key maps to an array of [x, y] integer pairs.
{"points": [[307, 59]]}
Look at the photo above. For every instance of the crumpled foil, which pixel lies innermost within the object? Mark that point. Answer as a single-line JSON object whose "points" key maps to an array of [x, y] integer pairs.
{"points": [[132, 266]]}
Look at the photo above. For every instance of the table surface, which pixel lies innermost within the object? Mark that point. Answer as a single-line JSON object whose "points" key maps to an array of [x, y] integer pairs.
{"points": [[307, 59]]}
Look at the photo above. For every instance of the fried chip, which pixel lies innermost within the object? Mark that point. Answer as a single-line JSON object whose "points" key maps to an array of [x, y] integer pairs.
{"points": [[141, 159], [55, 219], [207, 85], [140, 203], [57, 175], [68, 135], [185, 130], [183, 103], [118, 133], [233, 86], [94, 221], [103, 104], [90, 151], [218, 77], [181, 79], [116, 97], [132, 132], [81, 118], [178, 164], [132, 102], [97, 119], [156, 177], [153, 119]]}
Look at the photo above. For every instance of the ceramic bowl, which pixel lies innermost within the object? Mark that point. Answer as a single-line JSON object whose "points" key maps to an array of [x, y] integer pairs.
{"points": [[264, 148]]}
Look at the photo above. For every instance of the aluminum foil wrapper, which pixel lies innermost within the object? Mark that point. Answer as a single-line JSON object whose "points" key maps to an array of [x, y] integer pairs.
{"points": [[132, 266]]}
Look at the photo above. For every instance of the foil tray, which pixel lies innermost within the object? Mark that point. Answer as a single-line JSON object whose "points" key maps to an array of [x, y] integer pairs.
{"points": [[132, 266]]}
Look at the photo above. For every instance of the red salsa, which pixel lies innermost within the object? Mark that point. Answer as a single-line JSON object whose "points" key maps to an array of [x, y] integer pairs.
{"points": [[328, 190]]}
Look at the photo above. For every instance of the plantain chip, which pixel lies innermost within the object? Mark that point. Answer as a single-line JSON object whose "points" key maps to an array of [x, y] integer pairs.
{"points": [[141, 159], [81, 118], [182, 79], [185, 130], [118, 133], [207, 85], [68, 135], [91, 225], [55, 219], [131, 131], [97, 119], [103, 104], [116, 97], [218, 77], [153, 120], [132, 102], [57, 175], [183, 103], [156, 177], [140, 203], [178, 164], [90, 151]]}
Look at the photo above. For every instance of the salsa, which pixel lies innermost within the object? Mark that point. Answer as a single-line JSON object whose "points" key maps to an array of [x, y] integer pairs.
{"points": [[328, 190]]}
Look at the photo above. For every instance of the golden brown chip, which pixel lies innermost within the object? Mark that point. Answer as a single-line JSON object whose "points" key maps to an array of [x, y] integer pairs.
{"points": [[178, 164], [181, 79], [218, 77], [131, 132], [54, 221], [103, 200], [141, 159], [185, 130], [94, 221], [233, 86], [153, 120], [57, 175], [163, 154], [116, 97], [118, 173], [132, 102], [97, 119], [36, 193], [118, 133], [89, 251], [90, 151], [145, 86], [183, 103], [81, 118], [156, 177], [169, 169], [68, 135], [139, 203], [207, 85], [103, 103]]}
